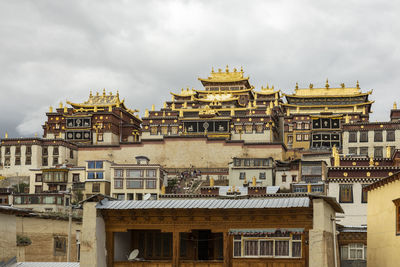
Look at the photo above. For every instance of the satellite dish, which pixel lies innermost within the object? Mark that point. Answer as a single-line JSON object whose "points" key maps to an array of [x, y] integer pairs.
{"points": [[133, 255], [147, 196]]}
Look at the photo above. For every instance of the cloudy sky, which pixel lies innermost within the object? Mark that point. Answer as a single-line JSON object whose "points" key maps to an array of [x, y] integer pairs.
{"points": [[52, 51]]}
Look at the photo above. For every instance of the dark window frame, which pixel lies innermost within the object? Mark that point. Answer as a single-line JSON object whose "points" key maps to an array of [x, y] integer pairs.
{"points": [[344, 195]]}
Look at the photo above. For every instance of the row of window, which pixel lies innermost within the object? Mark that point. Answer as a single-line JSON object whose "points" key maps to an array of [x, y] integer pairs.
{"points": [[346, 193], [364, 151], [51, 177], [299, 138], [300, 126], [34, 199], [135, 183], [135, 173], [251, 162], [28, 150], [378, 136], [261, 176], [267, 247]]}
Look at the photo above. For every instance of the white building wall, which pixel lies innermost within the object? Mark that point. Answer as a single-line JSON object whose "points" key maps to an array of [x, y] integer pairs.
{"points": [[355, 214]]}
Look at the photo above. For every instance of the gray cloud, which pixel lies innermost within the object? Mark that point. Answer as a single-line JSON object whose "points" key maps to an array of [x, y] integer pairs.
{"points": [[54, 51]]}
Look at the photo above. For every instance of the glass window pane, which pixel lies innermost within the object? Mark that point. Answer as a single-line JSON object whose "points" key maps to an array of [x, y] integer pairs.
{"points": [[99, 165], [91, 165], [282, 248], [296, 249], [266, 248], [250, 248], [237, 249]]}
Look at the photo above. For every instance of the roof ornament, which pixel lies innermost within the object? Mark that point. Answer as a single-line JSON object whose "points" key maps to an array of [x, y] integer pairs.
{"points": [[219, 70], [117, 94], [311, 86], [234, 70], [50, 109], [212, 69], [109, 108], [371, 161], [347, 118], [241, 69], [267, 86], [395, 105], [227, 69], [152, 107], [358, 85], [60, 105], [97, 93], [104, 91], [272, 87], [6, 135], [327, 84], [35, 134], [342, 85], [90, 94], [297, 86]]}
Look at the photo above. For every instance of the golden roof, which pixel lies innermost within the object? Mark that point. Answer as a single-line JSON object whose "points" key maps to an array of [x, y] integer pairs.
{"points": [[187, 92], [101, 101], [328, 92], [267, 90], [226, 76]]}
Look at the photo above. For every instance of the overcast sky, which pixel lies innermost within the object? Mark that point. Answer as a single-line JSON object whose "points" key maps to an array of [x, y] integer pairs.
{"points": [[52, 51]]}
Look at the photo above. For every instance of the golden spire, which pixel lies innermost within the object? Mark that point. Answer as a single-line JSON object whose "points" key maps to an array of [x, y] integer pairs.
{"points": [[388, 151], [371, 161], [254, 182], [104, 92], [234, 70], [35, 134], [241, 69], [97, 93], [173, 106], [342, 85], [173, 97], [395, 105], [51, 109], [152, 107], [185, 104], [212, 69], [146, 112], [90, 95], [65, 109], [165, 105], [297, 86], [276, 102], [311, 85], [232, 112], [358, 85], [110, 108], [227, 69], [211, 182], [60, 105], [335, 156], [255, 103], [327, 84], [117, 94], [271, 105], [6, 135], [347, 118], [181, 113]]}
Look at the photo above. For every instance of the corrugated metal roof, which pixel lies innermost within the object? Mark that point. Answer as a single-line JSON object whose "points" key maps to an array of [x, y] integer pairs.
{"points": [[257, 203], [47, 264]]}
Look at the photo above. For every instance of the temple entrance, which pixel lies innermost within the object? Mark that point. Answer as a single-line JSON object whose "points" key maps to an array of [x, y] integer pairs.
{"points": [[201, 245]]}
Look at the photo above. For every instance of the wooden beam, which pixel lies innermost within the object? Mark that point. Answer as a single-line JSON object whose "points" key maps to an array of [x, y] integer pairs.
{"points": [[175, 247]]}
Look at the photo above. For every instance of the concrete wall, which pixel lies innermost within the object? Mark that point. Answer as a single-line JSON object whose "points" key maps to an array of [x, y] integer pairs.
{"points": [[181, 153], [8, 237], [321, 243], [234, 176], [355, 214], [93, 242], [42, 233], [383, 243]]}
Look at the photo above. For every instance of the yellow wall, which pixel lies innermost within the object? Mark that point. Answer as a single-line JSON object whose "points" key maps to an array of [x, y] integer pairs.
{"points": [[383, 244], [8, 237], [41, 232], [182, 153]]}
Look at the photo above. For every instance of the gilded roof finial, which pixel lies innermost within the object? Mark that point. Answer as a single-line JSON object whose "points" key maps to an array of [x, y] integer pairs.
{"points": [[227, 69], [219, 70], [165, 104], [395, 105], [65, 109], [311, 85], [371, 161], [358, 85], [327, 83], [35, 134], [97, 93], [50, 109], [212, 69], [6, 135], [110, 93], [146, 112], [234, 69], [267, 86], [90, 95], [342, 85], [117, 93], [241, 69], [104, 91], [297, 85], [60, 105], [272, 87], [152, 107], [347, 118]]}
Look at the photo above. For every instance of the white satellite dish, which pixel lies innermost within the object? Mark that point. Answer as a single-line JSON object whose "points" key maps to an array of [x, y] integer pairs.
{"points": [[133, 255], [147, 196]]}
